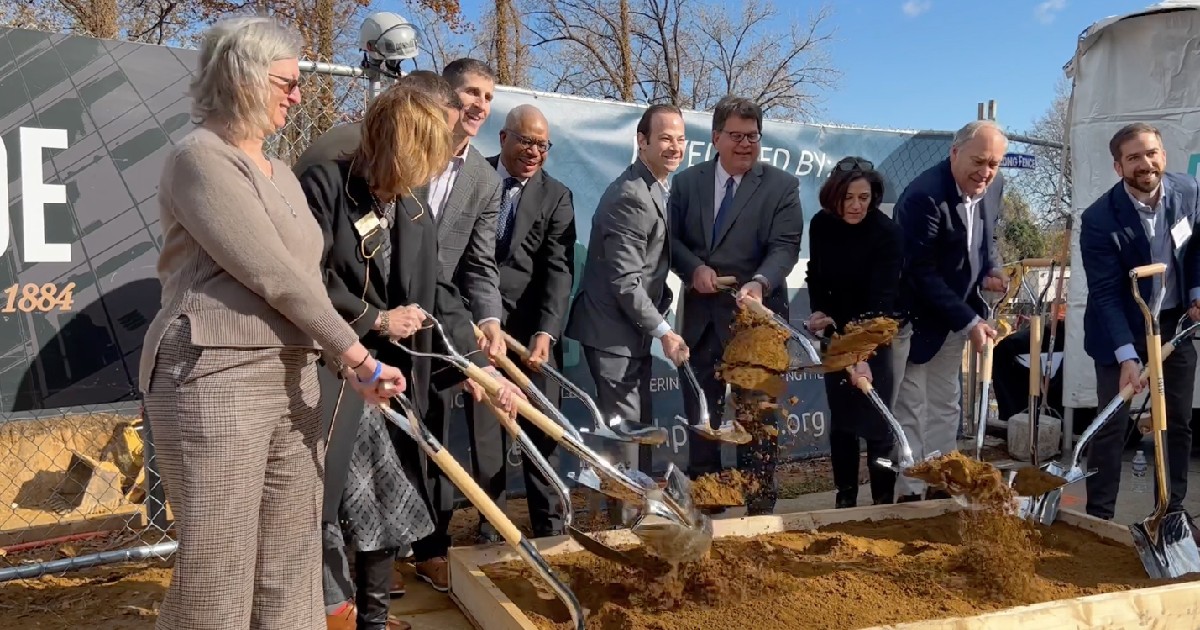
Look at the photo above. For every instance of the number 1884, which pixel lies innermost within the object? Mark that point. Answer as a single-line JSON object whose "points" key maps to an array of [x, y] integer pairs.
{"points": [[29, 298]]}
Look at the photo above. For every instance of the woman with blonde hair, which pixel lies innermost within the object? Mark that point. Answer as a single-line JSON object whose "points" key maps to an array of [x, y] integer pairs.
{"points": [[229, 364], [382, 274]]}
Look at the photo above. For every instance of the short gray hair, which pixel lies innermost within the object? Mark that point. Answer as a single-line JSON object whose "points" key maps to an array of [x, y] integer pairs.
{"points": [[972, 129], [231, 83]]}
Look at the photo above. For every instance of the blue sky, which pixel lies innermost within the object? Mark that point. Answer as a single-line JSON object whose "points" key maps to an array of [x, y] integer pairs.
{"points": [[925, 64]]}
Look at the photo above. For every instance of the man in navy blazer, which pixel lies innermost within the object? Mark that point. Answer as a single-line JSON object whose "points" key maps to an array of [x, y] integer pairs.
{"points": [[948, 215], [1147, 217]]}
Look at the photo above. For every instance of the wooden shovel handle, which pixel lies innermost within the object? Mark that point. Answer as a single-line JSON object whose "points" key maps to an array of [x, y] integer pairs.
{"points": [[1030, 263], [985, 363], [1035, 355], [1148, 270], [514, 373], [726, 282], [551, 428], [471, 490], [861, 382], [1126, 392], [517, 346]]}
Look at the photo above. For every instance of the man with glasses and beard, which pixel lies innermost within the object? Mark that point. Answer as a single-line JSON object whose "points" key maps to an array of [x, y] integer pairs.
{"points": [[1147, 217]]}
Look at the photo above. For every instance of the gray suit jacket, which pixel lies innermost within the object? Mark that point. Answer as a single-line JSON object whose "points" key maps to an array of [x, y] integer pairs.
{"points": [[761, 236], [467, 235], [623, 292]]}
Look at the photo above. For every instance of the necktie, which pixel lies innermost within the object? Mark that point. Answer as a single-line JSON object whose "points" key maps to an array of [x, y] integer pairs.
{"points": [[726, 201], [508, 212]]}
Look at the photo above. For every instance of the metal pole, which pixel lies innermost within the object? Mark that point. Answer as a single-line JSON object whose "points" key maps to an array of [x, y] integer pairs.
{"points": [[161, 551]]}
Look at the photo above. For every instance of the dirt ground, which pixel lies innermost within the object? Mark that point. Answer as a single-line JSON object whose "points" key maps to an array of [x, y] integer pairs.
{"points": [[852, 575], [126, 597]]}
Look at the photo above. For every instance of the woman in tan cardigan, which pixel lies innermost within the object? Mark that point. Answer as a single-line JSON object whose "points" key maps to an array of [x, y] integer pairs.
{"points": [[229, 364]]}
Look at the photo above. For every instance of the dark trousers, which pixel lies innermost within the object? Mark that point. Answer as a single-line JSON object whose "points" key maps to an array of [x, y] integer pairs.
{"points": [[1105, 452], [757, 458], [438, 487], [489, 459], [854, 417]]}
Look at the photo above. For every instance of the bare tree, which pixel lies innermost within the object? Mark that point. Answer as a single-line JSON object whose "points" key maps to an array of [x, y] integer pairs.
{"points": [[687, 52], [591, 43], [780, 69], [443, 39], [1050, 199]]}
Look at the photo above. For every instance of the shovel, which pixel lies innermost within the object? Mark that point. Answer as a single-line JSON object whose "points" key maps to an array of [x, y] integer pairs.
{"points": [[666, 521], [729, 430], [985, 376], [1164, 541], [1045, 507], [586, 477], [408, 423], [617, 429]]}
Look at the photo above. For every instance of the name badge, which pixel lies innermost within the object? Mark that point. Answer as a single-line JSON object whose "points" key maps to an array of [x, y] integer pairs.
{"points": [[367, 224], [1181, 232]]}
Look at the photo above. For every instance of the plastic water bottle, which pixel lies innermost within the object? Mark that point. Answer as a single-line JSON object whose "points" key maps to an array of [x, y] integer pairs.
{"points": [[1140, 483]]}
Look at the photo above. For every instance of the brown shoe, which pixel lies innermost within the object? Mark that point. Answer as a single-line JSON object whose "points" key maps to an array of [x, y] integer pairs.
{"points": [[436, 572], [398, 589], [346, 618]]}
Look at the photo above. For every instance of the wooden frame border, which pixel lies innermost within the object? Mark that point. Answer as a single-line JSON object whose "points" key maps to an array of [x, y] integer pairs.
{"points": [[1171, 607]]}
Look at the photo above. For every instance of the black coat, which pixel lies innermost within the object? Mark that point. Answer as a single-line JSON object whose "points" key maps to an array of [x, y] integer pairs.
{"points": [[338, 199]]}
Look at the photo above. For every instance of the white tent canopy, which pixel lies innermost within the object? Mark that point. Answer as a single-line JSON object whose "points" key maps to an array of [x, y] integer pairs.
{"points": [[1142, 67]]}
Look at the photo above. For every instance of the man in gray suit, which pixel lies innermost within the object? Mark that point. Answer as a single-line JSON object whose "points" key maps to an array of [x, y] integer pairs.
{"points": [[465, 202], [732, 216], [623, 293]]}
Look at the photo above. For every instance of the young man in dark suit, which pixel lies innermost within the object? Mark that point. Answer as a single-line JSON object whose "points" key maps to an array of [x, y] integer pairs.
{"points": [[732, 216], [1147, 217], [535, 251], [948, 215]]}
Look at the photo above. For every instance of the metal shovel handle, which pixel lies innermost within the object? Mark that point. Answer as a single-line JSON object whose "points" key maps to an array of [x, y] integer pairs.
{"points": [[518, 376], [560, 379], [906, 454]]}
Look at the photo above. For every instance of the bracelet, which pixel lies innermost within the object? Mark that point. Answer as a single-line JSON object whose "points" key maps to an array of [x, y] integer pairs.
{"points": [[360, 363], [375, 376], [385, 321]]}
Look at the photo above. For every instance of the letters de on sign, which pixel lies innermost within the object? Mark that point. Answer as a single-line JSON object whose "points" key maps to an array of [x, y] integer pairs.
{"points": [[35, 195]]}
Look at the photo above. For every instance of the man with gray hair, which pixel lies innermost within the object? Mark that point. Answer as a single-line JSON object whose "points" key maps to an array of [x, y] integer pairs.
{"points": [[948, 215]]}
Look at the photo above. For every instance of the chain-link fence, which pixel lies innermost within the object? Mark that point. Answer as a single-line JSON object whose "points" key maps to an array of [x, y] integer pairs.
{"points": [[79, 488]]}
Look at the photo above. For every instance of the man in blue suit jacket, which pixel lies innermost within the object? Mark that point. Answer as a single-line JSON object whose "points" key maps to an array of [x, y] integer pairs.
{"points": [[1147, 217], [948, 215]]}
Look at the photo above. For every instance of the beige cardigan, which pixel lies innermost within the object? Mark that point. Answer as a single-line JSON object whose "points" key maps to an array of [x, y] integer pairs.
{"points": [[241, 256]]}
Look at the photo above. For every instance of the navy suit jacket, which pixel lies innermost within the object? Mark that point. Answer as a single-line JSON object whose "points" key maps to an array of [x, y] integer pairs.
{"points": [[941, 290], [1112, 241]]}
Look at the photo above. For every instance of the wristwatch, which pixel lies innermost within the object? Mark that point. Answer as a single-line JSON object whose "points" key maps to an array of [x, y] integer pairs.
{"points": [[761, 279]]}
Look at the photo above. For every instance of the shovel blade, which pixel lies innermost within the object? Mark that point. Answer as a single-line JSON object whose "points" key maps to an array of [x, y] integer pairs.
{"points": [[600, 549], [626, 431], [730, 433], [1167, 548], [674, 542]]}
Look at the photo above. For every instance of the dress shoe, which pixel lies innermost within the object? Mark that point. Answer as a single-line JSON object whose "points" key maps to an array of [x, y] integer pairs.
{"points": [[908, 498], [436, 572], [846, 498], [346, 618]]}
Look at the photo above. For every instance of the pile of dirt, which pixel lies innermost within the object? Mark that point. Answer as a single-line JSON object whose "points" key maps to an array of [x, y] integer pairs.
{"points": [[756, 357], [851, 575], [724, 489], [858, 342], [1031, 481], [1000, 549]]}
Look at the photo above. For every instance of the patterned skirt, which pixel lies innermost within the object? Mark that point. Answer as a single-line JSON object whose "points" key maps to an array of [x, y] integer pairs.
{"points": [[381, 507]]}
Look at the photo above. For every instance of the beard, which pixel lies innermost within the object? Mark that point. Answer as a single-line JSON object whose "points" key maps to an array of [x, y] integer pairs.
{"points": [[1133, 182]]}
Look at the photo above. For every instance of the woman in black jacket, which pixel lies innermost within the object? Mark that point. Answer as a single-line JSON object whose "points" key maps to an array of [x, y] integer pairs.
{"points": [[382, 272], [853, 274]]}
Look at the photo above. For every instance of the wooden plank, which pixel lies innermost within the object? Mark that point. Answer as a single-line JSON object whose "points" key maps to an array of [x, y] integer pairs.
{"points": [[1171, 607]]}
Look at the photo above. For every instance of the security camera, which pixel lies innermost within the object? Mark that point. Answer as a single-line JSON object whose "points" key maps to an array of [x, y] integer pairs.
{"points": [[387, 39]]}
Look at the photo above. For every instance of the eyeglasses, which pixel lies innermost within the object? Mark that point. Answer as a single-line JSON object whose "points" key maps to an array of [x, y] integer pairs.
{"points": [[738, 136], [855, 164], [526, 142], [289, 84]]}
